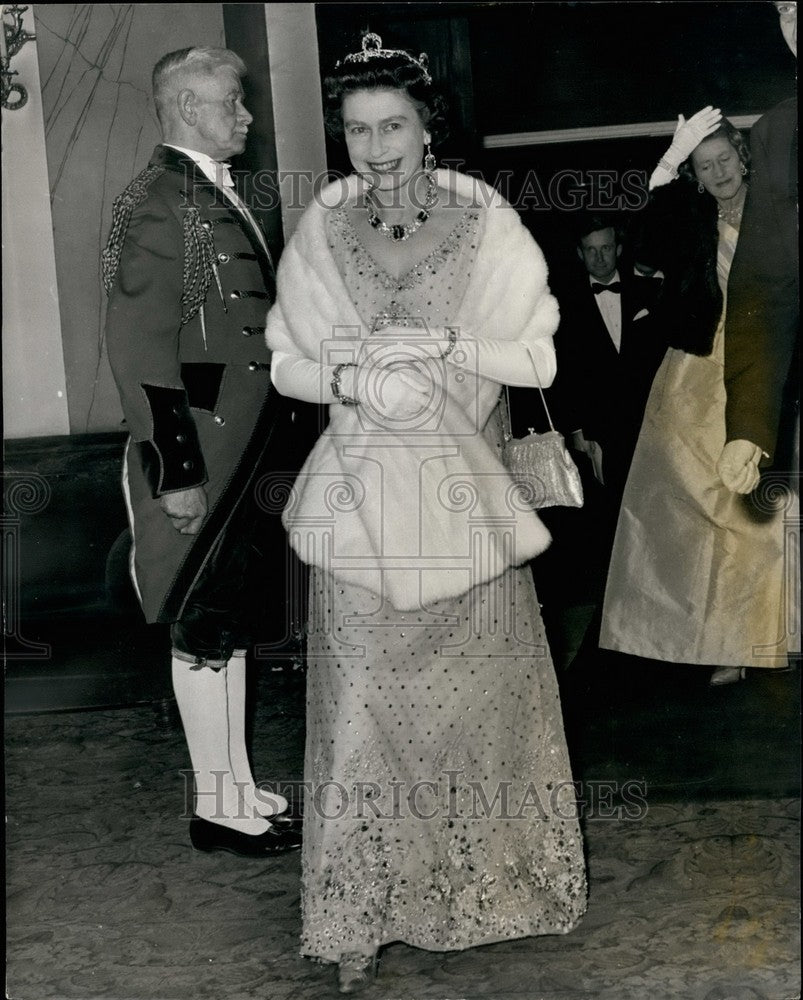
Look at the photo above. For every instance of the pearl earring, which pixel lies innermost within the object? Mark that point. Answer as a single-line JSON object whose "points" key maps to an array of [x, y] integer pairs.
{"points": [[744, 170]]}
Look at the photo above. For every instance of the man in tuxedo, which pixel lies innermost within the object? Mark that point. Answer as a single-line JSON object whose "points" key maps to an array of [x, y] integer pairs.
{"points": [[608, 353], [189, 279]]}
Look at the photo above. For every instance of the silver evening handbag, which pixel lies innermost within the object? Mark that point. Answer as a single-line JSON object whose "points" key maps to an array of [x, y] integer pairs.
{"points": [[541, 464]]}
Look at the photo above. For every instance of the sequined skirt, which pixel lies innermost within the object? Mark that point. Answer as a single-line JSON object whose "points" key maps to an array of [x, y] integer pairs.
{"points": [[439, 809]]}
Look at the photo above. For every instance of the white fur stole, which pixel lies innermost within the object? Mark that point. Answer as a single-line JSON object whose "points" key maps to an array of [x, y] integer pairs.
{"points": [[428, 512]]}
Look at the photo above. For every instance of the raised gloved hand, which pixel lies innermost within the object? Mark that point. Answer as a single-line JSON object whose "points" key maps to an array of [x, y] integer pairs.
{"points": [[738, 466], [689, 134]]}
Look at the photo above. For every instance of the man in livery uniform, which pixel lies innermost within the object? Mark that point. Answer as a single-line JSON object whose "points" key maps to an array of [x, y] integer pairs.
{"points": [[189, 279]]}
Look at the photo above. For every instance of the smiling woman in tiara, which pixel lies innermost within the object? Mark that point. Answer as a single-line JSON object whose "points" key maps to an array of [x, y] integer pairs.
{"points": [[440, 810]]}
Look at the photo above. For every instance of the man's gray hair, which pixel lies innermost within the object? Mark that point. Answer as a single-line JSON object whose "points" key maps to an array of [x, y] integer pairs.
{"points": [[175, 71]]}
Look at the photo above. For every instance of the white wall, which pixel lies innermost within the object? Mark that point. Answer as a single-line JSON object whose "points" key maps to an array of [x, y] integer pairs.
{"points": [[34, 386], [100, 132], [295, 79]]}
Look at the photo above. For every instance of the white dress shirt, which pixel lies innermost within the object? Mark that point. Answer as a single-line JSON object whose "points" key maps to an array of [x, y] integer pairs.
{"points": [[610, 307]]}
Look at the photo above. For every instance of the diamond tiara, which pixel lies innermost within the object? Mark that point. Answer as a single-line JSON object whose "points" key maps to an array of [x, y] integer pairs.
{"points": [[372, 49]]}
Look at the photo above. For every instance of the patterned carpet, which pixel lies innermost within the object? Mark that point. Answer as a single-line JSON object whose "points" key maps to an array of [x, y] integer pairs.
{"points": [[695, 901]]}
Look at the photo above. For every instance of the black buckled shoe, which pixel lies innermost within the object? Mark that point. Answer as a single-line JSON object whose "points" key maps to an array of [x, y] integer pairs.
{"points": [[279, 837], [284, 821]]}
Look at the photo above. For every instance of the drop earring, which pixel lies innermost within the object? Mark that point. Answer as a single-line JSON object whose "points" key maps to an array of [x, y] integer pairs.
{"points": [[429, 160], [744, 170], [700, 188]]}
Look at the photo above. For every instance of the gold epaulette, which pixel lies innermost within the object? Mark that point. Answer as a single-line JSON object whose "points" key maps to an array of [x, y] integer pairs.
{"points": [[122, 210], [199, 245]]}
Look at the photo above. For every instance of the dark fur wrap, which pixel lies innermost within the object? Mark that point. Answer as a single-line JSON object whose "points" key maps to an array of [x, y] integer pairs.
{"points": [[677, 232]]}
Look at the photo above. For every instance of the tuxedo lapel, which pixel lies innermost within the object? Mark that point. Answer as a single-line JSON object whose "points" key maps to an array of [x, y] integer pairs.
{"points": [[636, 298], [602, 344], [628, 305]]}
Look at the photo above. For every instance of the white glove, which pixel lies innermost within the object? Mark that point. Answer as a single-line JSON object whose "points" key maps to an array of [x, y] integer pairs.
{"points": [[390, 396], [509, 362], [689, 134], [593, 450], [738, 466]]}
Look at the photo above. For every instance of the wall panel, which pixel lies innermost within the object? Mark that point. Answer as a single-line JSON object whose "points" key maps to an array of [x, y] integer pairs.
{"points": [[100, 128]]}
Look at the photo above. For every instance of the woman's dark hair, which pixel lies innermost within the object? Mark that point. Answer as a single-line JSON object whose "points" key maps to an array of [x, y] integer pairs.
{"points": [[727, 130], [400, 72]]}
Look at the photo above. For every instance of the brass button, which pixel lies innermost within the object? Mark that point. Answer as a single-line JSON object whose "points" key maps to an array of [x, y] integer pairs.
{"points": [[220, 421], [206, 225], [181, 438], [235, 294], [259, 366], [252, 331], [224, 258], [187, 465]]}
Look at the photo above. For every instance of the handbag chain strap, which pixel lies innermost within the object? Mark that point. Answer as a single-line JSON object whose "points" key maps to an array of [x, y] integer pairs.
{"points": [[509, 434]]}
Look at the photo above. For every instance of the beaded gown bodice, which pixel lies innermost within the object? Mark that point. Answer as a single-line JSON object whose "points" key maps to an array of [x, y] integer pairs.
{"points": [[425, 298], [428, 295]]}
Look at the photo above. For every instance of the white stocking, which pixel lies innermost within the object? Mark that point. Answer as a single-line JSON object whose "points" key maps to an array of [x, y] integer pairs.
{"points": [[202, 699], [257, 801]]}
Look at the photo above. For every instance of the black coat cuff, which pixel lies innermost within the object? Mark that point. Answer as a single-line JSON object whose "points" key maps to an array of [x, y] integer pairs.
{"points": [[172, 460]]}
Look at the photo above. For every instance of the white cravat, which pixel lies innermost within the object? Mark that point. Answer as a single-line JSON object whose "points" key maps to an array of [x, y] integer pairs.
{"points": [[610, 307], [223, 176]]}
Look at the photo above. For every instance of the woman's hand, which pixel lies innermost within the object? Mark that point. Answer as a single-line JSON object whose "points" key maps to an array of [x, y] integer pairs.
{"points": [[396, 394], [593, 450], [689, 134], [738, 466]]}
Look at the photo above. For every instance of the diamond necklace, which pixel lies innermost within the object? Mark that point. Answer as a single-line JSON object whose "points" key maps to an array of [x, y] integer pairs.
{"points": [[733, 215], [404, 231]]}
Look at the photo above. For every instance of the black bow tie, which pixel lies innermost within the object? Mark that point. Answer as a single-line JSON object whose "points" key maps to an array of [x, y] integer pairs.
{"points": [[615, 286]]}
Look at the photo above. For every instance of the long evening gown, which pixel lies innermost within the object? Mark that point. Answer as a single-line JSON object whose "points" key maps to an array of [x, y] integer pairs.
{"points": [[698, 574], [439, 810]]}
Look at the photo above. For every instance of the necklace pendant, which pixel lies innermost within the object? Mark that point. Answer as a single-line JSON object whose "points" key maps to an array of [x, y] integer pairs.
{"points": [[400, 231]]}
